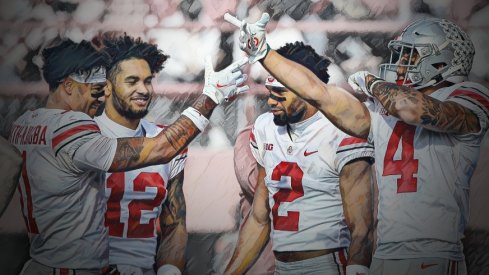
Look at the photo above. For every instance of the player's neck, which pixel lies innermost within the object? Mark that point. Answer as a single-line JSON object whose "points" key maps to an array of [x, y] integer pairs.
{"points": [[115, 116], [56, 101], [310, 111]]}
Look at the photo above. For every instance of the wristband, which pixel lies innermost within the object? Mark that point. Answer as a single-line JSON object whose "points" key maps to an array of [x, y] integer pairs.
{"points": [[197, 118], [355, 269], [369, 85], [168, 269]]}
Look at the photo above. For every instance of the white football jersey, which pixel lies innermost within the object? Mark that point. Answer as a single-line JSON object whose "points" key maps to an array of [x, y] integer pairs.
{"points": [[423, 178], [134, 199], [61, 187], [302, 177]]}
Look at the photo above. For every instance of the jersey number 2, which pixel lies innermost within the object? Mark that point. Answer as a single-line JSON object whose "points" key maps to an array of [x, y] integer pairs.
{"points": [[292, 170], [407, 166], [135, 229]]}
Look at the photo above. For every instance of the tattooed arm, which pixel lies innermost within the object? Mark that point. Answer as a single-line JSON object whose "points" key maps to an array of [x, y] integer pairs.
{"points": [[339, 106], [416, 108], [133, 153], [355, 188], [173, 226]]}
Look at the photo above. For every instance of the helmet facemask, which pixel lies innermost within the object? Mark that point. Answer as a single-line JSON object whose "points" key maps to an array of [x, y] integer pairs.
{"points": [[427, 53]]}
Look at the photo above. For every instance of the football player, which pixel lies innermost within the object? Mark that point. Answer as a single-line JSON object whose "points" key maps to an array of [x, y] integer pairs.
{"points": [[66, 156], [135, 199], [427, 123], [313, 195]]}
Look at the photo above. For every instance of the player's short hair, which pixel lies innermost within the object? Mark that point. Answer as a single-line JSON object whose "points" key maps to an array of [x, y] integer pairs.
{"points": [[126, 47], [65, 57], [307, 57]]}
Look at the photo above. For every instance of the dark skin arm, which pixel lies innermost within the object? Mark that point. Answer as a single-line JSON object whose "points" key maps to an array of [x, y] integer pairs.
{"points": [[133, 153], [173, 226], [255, 231], [417, 108], [356, 193], [344, 110]]}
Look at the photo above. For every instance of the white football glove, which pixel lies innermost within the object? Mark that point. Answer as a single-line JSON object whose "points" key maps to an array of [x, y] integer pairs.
{"points": [[168, 269], [252, 36], [129, 270], [227, 83], [358, 81]]}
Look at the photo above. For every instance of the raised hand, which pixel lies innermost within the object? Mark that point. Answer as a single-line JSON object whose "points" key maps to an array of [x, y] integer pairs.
{"points": [[363, 81], [225, 84], [251, 36]]}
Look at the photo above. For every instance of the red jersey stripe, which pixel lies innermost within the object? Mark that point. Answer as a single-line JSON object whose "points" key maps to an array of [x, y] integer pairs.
{"points": [[75, 130], [473, 95], [252, 137], [352, 140]]}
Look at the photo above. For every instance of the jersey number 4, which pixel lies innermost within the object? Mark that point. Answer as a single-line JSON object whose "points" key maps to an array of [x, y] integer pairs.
{"points": [[292, 170], [135, 229], [407, 166]]}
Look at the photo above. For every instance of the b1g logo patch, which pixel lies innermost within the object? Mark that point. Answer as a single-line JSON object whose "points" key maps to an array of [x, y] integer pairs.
{"points": [[268, 146]]}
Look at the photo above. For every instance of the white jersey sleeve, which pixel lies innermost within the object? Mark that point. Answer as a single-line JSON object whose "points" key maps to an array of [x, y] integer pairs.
{"points": [[79, 138], [351, 148], [177, 164]]}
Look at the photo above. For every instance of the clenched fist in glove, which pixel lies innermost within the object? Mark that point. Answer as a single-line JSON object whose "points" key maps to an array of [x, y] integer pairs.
{"points": [[363, 81], [227, 83], [252, 36]]}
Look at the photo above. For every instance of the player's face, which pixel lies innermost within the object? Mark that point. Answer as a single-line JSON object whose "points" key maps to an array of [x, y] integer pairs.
{"points": [[406, 59], [285, 106], [132, 90], [87, 96]]}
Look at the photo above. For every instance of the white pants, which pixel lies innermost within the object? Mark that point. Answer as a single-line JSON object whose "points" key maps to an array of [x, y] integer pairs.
{"points": [[418, 266]]}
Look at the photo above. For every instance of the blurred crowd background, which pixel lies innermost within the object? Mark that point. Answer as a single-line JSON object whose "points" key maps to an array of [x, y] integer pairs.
{"points": [[352, 33]]}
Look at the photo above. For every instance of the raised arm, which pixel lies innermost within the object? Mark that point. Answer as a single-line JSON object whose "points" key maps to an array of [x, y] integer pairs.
{"points": [[355, 187], [171, 250], [344, 110], [255, 231], [132, 153], [10, 167], [340, 107]]}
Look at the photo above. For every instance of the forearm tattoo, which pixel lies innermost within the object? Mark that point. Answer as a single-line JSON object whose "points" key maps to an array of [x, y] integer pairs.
{"points": [[174, 208], [204, 105], [180, 133], [430, 112], [128, 152]]}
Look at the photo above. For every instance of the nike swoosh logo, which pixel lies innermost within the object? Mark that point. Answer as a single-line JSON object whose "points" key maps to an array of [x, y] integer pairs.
{"points": [[425, 266], [221, 86], [309, 153]]}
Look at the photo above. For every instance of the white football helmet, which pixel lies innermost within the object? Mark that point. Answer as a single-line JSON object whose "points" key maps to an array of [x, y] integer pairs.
{"points": [[427, 52]]}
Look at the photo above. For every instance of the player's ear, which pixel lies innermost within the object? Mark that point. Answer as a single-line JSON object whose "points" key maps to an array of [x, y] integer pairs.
{"points": [[68, 85], [108, 89]]}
